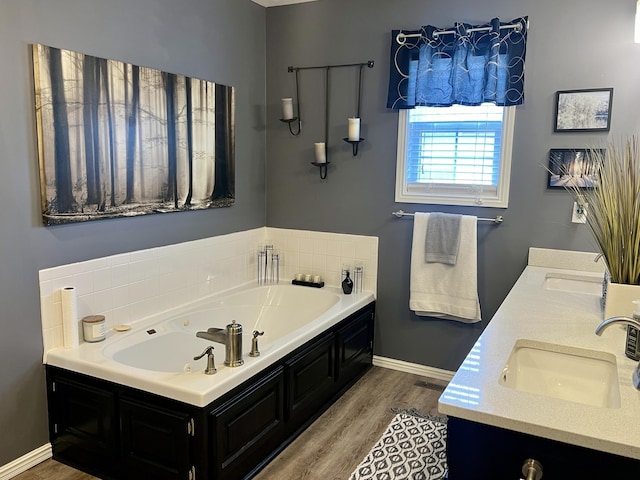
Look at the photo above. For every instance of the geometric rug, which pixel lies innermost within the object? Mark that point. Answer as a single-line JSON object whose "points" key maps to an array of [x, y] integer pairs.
{"points": [[413, 447]]}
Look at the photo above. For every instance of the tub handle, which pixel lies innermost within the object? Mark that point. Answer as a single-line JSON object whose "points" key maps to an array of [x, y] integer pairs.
{"points": [[211, 363], [254, 344]]}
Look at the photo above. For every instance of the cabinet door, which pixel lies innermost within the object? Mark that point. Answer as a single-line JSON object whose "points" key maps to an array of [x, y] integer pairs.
{"points": [[83, 424], [156, 443], [475, 450], [310, 381], [355, 347], [248, 428]]}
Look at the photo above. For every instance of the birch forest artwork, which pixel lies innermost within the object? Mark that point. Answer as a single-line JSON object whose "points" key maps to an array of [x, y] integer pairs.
{"points": [[116, 139]]}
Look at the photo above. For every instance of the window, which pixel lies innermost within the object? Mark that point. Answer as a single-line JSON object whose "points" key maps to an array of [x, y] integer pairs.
{"points": [[456, 155]]}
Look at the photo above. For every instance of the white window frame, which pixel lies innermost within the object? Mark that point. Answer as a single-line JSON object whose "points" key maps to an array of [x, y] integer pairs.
{"points": [[450, 194]]}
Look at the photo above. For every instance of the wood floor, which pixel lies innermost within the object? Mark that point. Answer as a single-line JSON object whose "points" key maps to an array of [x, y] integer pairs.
{"points": [[333, 446]]}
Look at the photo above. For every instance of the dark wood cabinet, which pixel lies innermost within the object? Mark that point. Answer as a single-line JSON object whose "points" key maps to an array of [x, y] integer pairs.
{"points": [[155, 443], [310, 381], [117, 432], [355, 347], [83, 422], [476, 450], [248, 427]]}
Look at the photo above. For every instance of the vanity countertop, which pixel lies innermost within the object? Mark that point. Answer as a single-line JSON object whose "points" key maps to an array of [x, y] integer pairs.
{"points": [[535, 313]]}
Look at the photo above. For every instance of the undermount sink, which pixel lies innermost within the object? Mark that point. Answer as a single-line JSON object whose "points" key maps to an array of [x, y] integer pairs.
{"points": [[567, 373], [566, 282]]}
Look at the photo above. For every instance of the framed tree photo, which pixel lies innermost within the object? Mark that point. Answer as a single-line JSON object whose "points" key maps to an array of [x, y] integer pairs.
{"points": [[122, 140], [583, 110], [575, 167]]}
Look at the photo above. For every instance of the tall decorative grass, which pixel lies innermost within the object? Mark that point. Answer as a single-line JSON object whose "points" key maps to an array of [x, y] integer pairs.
{"points": [[613, 212]]}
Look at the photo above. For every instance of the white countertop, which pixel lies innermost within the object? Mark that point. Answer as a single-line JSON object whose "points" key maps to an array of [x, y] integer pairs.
{"points": [[534, 313]]}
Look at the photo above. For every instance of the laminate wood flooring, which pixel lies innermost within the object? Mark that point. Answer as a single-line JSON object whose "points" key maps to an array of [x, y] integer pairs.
{"points": [[333, 446]]}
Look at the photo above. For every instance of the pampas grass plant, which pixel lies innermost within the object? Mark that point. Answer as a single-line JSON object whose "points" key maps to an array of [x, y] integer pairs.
{"points": [[613, 212]]}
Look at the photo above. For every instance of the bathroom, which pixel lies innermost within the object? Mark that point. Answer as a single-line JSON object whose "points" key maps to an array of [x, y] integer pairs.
{"points": [[245, 45]]}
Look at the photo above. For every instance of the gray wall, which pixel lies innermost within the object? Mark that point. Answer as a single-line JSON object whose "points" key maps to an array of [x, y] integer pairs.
{"points": [[221, 41], [572, 44]]}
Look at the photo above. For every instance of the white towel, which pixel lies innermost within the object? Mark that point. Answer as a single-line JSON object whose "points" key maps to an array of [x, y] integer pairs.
{"points": [[441, 290]]}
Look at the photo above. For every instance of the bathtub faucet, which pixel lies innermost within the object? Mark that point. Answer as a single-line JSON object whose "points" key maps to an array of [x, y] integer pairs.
{"points": [[255, 352], [231, 338]]}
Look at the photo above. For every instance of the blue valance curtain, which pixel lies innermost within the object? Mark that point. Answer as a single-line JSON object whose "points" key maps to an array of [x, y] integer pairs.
{"points": [[464, 64]]}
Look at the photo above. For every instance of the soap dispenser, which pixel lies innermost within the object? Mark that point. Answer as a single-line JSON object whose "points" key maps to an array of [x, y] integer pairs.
{"points": [[632, 349], [347, 283]]}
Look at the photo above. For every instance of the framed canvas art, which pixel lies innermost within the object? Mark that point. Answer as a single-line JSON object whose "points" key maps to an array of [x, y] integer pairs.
{"points": [[583, 110], [120, 140]]}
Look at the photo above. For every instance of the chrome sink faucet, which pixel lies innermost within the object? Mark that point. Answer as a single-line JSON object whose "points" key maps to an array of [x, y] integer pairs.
{"points": [[625, 321], [231, 338]]}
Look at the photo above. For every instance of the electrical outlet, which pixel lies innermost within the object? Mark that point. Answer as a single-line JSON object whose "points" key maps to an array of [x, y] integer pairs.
{"points": [[579, 213]]}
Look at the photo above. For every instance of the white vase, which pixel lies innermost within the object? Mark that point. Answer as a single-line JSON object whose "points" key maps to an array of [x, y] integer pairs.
{"points": [[619, 299]]}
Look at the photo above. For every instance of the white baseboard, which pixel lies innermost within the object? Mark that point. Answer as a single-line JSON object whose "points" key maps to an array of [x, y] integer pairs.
{"points": [[25, 462], [414, 368]]}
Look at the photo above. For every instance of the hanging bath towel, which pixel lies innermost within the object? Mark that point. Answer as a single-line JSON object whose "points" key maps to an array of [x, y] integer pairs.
{"points": [[444, 290]]}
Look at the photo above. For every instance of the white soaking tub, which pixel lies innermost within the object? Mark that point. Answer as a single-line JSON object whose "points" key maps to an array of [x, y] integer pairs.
{"points": [[156, 355]]}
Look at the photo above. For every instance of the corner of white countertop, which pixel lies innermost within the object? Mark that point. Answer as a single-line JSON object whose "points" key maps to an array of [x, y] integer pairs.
{"points": [[534, 313]]}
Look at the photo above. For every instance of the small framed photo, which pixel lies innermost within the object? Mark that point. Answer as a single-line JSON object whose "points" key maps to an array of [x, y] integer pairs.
{"points": [[583, 110], [576, 167]]}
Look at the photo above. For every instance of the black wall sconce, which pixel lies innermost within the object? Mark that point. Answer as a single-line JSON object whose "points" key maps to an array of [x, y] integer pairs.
{"points": [[321, 148], [287, 109]]}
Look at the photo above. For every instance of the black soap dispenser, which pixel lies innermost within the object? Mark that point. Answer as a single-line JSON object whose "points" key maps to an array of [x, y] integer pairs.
{"points": [[347, 283]]}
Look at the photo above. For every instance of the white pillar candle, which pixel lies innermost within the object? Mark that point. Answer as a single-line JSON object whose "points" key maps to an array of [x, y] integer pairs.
{"points": [[321, 152], [287, 108], [354, 128]]}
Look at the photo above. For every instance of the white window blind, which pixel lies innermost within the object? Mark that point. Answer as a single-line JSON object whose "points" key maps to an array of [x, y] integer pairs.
{"points": [[458, 155]]}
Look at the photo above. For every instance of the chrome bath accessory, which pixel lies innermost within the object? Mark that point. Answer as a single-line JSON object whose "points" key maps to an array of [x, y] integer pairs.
{"points": [[497, 220], [231, 338], [254, 344], [626, 321], [268, 265], [358, 274], [211, 362]]}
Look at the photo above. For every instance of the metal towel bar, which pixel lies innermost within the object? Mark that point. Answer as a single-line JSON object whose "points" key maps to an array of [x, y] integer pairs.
{"points": [[497, 220]]}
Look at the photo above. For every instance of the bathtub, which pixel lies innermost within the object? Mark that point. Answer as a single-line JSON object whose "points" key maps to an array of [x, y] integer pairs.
{"points": [[157, 354]]}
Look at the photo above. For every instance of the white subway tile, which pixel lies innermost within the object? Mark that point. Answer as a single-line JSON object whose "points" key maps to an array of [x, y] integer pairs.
{"points": [[101, 301], [83, 283], [121, 259], [120, 275], [101, 279], [59, 283]]}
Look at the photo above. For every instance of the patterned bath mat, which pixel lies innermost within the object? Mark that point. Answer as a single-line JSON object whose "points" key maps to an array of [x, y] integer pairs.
{"points": [[413, 447]]}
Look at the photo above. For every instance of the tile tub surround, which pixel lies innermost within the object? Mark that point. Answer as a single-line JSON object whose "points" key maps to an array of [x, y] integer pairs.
{"points": [[131, 286], [533, 313]]}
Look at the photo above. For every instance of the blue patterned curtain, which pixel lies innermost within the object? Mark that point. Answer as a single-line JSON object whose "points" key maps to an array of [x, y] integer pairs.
{"points": [[465, 67]]}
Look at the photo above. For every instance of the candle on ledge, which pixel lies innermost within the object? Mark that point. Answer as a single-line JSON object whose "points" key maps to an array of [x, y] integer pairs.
{"points": [[287, 108], [354, 129], [321, 152]]}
